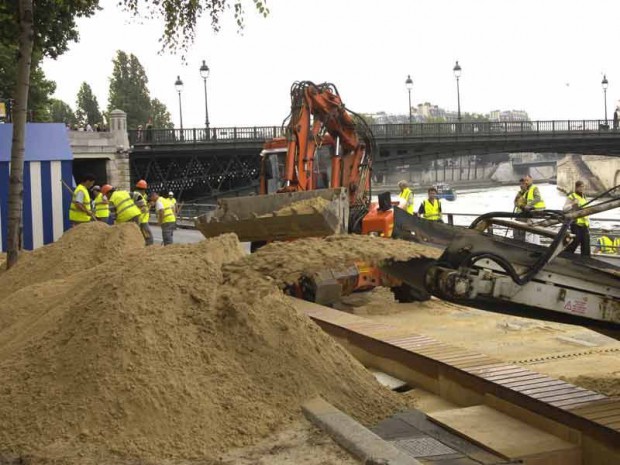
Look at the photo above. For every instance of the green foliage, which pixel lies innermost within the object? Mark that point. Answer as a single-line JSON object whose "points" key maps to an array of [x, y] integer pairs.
{"points": [[41, 89], [87, 107], [54, 23], [61, 112], [181, 16], [129, 91], [160, 115]]}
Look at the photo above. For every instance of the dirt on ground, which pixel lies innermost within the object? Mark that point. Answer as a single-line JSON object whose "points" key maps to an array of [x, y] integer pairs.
{"points": [[111, 352]]}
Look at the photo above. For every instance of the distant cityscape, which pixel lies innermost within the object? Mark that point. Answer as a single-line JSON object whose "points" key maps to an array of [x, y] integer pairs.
{"points": [[429, 113]]}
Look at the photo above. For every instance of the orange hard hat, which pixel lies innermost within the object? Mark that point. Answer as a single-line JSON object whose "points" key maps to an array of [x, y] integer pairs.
{"points": [[141, 184], [106, 188]]}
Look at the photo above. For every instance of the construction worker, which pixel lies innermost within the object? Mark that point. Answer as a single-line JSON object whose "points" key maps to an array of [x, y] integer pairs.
{"points": [[581, 226], [140, 199], [617, 245], [533, 201], [80, 210], [122, 207], [605, 243], [405, 197], [100, 205], [430, 209], [519, 203], [173, 201], [165, 216]]}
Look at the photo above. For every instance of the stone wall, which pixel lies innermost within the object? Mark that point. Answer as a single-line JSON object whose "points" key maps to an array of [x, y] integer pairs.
{"points": [[599, 173], [111, 146]]}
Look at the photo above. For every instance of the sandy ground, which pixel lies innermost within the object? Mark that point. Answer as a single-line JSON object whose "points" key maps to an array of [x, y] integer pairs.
{"points": [[301, 444], [576, 354]]}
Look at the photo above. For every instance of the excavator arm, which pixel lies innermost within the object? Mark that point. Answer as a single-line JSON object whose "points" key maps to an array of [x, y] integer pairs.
{"points": [[316, 110]]}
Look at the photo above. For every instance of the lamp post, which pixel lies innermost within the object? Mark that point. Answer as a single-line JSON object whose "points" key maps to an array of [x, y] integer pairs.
{"points": [[457, 75], [178, 85], [204, 73], [605, 84], [409, 85]]}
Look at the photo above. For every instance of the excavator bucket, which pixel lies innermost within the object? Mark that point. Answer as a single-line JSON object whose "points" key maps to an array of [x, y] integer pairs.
{"points": [[284, 216]]}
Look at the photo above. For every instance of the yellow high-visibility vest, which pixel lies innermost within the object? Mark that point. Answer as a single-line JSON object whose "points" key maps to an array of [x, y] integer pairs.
{"points": [[617, 245], [405, 196], [144, 217], [169, 216], [530, 196], [125, 207], [606, 244], [102, 209], [581, 201], [78, 215], [431, 210]]}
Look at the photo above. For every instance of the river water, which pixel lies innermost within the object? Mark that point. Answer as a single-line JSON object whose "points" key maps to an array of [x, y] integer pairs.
{"points": [[479, 201]]}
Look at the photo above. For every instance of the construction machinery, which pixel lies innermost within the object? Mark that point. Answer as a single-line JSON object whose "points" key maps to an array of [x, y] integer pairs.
{"points": [[483, 266], [313, 182]]}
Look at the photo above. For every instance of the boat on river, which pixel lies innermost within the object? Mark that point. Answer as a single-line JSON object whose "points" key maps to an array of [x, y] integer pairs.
{"points": [[444, 191]]}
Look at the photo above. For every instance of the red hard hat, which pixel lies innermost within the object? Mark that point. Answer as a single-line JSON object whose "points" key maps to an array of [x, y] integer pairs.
{"points": [[106, 188], [141, 184]]}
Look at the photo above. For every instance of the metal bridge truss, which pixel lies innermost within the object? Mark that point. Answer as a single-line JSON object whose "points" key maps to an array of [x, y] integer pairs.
{"points": [[194, 175]]}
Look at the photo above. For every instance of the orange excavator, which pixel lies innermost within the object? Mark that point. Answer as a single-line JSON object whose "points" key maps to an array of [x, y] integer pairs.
{"points": [[314, 182]]}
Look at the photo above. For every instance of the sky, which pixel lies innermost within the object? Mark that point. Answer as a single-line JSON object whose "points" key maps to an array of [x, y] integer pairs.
{"points": [[546, 57]]}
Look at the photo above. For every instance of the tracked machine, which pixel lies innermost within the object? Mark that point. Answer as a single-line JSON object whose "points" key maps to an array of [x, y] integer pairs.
{"points": [[316, 181]]}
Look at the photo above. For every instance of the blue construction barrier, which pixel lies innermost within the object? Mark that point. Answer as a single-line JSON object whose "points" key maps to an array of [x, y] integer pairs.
{"points": [[48, 160]]}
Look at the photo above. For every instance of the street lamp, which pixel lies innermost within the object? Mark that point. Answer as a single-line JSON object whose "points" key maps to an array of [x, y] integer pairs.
{"points": [[457, 75], [178, 85], [204, 74], [605, 84], [409, 85]]}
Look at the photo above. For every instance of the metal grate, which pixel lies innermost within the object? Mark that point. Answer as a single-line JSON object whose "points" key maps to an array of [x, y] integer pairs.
{"points": [[423, 447]]}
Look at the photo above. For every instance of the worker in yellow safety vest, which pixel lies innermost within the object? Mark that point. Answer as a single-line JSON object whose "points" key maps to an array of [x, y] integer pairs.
{"points": [[173, 201], [166, 217], [533, 199], [605, 244], [581, 226], [122, 207], [80, 210], [519, 203], [100, 205], [617, 245], [430, 209], [140, 199], [405, 197]]}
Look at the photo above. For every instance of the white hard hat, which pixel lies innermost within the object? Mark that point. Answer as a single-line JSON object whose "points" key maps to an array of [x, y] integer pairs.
{"points": [[170, 193]]}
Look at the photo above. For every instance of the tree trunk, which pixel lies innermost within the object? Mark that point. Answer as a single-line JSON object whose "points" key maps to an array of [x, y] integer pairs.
{"points": [[16, 179]]}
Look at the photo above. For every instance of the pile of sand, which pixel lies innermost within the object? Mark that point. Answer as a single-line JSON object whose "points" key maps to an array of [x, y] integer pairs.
{"points": [[286, 262], [610, 385], [304, 206], [133, 353]]}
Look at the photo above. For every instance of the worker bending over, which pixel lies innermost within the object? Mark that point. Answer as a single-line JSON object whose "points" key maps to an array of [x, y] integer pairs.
{"points": [[165, 216], [100, 204], [405, 197], [581, 226], [606, 243], [139, 198], [80, 210], [430, 209], [122, 207]]}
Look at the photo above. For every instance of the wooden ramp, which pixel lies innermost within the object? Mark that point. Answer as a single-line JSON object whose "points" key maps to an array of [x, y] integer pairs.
{"points": [[508, 437]]}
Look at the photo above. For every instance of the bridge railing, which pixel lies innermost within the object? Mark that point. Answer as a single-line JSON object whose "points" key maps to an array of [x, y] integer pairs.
{"points": [[381, 131]]}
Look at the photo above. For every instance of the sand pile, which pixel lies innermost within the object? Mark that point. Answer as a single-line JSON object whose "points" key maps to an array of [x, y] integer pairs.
{"points": [[158, 353], [79, 249], [286, 262], [304, 206]]}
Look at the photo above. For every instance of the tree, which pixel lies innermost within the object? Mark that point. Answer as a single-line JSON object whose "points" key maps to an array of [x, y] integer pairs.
{"points": [[128, 89], [49, 28], [87, 107], [41, 89], [61, 112], [160, 115]]}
